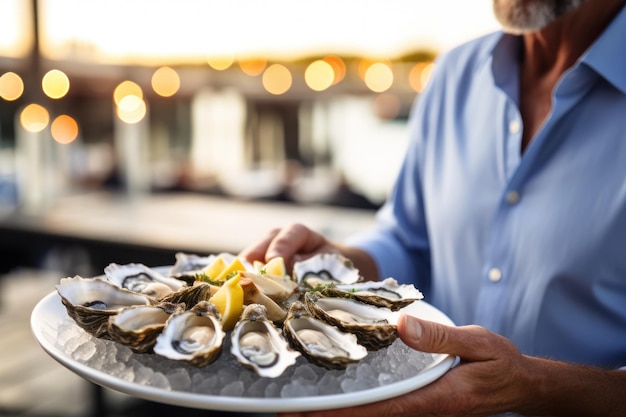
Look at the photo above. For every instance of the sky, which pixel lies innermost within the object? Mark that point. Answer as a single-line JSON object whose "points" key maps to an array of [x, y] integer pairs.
{"points": [[183, 30]]}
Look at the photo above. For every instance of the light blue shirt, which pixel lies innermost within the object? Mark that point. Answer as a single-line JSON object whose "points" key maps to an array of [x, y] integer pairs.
{"points": [[531, 246]]}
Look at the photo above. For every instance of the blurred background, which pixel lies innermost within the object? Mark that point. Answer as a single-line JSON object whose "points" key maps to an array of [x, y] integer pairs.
{"points": [[131, 130]]}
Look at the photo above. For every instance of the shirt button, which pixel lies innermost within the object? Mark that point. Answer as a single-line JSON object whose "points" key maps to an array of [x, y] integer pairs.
{"points": [[514, 127], [495, 275], [512, 197]]}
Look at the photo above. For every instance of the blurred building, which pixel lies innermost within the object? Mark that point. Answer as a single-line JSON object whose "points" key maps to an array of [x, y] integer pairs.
{"points": [[224, 93]]}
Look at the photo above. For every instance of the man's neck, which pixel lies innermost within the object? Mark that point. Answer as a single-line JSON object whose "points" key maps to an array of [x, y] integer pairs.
{"points": [[548, 53], [555, 48]]}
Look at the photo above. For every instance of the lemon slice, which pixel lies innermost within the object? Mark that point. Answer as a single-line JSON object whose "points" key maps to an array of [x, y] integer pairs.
{"points": [[275, 266], [215, 268], [234, 266], [229, 302], [258, 265]]}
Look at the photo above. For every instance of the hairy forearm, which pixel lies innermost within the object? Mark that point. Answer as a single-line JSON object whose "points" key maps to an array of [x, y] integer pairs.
{"points": [[561, 389]]}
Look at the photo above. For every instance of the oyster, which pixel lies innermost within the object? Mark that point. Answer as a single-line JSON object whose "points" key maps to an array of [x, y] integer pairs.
{"points": [[191, 295], [387, 293], [321, 343], [189, 263], [252, 295], [139, 326], [194, 335], [375, 327], [325, 268], [90, 302], [258, 344], [142, 279], [275, 287]]}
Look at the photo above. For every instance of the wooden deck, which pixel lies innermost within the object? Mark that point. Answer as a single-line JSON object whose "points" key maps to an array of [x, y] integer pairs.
{"points": [[32, 383]]}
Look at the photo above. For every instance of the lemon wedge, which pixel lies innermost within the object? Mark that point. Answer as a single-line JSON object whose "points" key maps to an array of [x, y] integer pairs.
{"points": [[275, 266], [258, 265], [229, 302], [215, 268], [235, 266]]}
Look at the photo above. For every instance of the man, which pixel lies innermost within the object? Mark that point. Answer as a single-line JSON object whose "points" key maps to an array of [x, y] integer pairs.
{"points": [[510, 214]]}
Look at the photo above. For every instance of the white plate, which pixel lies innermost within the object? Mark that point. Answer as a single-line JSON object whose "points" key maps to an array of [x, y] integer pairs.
{"points": [[49, 313]]}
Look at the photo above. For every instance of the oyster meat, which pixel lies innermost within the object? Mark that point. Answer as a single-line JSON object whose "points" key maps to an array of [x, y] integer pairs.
{"points": [[91, 301], [375, 327], [194, 335], [139, 326], [259, 345], [321, 343], [325, 268], [141, 279]]}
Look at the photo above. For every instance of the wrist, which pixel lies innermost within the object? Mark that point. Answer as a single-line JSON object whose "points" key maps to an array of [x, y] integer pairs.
{"points": [[562, 389]]}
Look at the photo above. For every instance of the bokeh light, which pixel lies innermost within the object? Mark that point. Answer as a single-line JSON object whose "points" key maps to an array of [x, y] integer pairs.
{"points": [[165, 81], [362, 67], [319, 75], [55, 84], [339, 67], [126, 88], [253, 67], [64, 129], [131, 109], [221, 63], [277, 79], [11, 86], [378, 77], [34, 118], [419, 75]]}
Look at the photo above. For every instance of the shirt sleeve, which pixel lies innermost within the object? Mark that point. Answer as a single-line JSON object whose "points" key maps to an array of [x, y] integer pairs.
{"points": [[399, 243]]}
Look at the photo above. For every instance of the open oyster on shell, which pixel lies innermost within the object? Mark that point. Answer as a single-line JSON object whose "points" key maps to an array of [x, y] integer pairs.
{"points": [[141, 279], [375, 327], [386, 293], [91, 301], [259, 345], [194, 335], [189, 264], [139, 326], [191, 295], [321, 343], [325, 268]]}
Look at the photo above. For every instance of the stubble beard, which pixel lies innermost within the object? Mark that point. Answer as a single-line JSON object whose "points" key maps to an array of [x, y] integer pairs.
{"points": [[522, 16]]}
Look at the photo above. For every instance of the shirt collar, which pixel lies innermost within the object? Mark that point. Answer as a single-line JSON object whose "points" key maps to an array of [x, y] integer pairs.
{"points": [[607, 55]]}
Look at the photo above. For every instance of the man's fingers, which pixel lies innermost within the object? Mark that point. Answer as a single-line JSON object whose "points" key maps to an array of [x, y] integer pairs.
{"points": [[471, 343], [294, 239], [258, 250]]}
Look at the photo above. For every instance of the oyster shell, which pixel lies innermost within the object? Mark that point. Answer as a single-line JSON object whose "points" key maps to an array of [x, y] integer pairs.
{"points": [[252, 295], [375, 327], [387, 293], [325, 268], [259, 345], [194, 335], [190, 263], [91, 301], [321, 343], [191, 295], [139, 326], [275, 287], [142, 279]]}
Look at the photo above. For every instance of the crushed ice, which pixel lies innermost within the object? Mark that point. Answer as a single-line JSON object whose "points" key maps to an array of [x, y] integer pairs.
{"points": [[226, 377]]}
